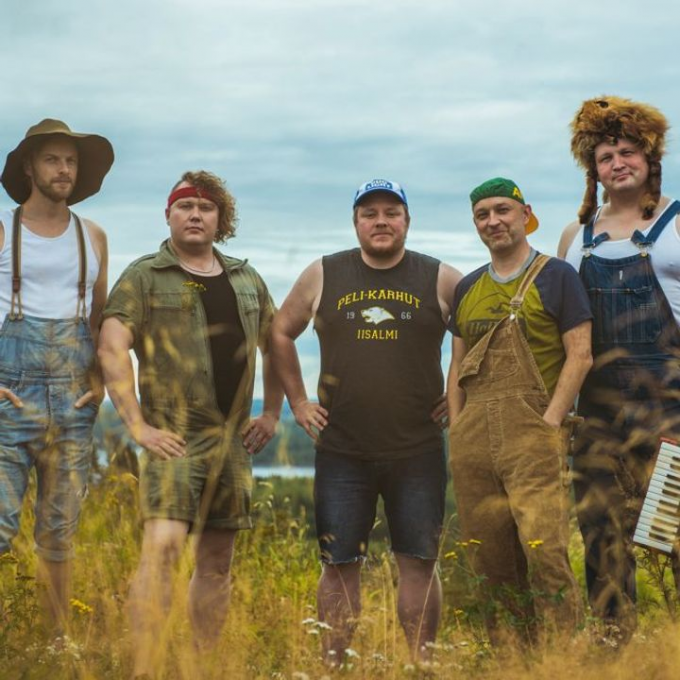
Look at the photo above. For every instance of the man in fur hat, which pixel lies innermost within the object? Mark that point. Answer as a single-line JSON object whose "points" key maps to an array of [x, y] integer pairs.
{"points": [[52, 291], [626, 252]]}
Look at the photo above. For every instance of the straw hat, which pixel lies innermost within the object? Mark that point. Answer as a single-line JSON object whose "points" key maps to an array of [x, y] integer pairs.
{"points": [[95, 157]]}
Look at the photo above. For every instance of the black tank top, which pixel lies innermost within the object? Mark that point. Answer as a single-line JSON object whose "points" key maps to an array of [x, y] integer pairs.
{"points": [[227, 339], [380, 332]]}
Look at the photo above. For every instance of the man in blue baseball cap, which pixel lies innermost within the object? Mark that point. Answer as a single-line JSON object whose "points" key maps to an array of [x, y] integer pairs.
{"points": [[380, 312]]}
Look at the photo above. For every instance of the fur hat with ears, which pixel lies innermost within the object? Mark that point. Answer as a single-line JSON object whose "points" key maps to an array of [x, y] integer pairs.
{"points": [[608, 119]]}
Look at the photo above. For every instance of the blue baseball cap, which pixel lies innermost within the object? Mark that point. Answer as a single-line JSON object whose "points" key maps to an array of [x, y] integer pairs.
{"points": [[380, 185]]}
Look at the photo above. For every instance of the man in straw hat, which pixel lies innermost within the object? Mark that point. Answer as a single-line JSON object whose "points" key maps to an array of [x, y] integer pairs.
{"points": [[380, 311], [195, 319], [626, 253], [521, 349], [52, 291]]}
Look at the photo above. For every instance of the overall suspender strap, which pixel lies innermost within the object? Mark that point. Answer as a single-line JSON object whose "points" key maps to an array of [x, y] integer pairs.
{"points": [[529, 277], [16, 309], [81, 308], [639, 239], [588, 241]]}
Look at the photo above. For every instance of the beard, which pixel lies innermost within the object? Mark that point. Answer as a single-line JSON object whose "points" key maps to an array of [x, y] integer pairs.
{"points": [[383, 251], [54, 191]]}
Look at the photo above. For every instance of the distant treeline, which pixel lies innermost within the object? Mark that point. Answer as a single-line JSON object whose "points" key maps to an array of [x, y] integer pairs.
{"points": [[290, 446]]}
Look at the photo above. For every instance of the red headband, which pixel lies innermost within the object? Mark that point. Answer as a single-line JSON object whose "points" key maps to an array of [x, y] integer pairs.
{"points": [[187, 192]]}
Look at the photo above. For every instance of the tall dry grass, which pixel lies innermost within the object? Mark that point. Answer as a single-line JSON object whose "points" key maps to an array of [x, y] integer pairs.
{"points": [[272, 631]]}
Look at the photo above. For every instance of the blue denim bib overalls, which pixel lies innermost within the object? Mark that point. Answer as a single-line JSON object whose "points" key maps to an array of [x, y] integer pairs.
{"points": [[47, 363], [628, 400]]}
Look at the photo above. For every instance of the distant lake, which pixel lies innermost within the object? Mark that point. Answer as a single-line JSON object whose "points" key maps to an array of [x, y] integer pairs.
{"points": [[288, 471]]}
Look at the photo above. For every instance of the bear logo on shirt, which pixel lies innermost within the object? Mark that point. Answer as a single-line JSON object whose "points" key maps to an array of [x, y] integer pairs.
{"points": [[376, 315]]}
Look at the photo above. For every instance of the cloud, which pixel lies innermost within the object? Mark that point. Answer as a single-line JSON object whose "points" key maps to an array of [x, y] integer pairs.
{"points": [[296, 102]]}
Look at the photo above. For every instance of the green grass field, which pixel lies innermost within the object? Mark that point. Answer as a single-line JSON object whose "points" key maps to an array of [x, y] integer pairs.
{"points": [[272, 631]]}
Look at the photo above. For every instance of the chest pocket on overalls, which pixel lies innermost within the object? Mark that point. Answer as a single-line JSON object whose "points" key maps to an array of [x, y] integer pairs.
{"points": [[487, 362], [624, 304]]}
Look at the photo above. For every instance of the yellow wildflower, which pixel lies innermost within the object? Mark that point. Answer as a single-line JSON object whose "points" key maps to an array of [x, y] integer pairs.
{"points": [[194, 285], [81, 607]]}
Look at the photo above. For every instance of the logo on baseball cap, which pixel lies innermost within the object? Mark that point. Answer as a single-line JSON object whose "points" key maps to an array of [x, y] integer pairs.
{"points": [[379, 185], [503, 188]]}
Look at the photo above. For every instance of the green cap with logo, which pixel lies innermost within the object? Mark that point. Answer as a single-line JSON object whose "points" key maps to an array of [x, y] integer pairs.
{"points": [[500, 187]]}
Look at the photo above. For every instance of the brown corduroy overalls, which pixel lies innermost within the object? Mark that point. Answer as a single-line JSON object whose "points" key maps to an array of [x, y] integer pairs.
{"points": [[510, 476]]}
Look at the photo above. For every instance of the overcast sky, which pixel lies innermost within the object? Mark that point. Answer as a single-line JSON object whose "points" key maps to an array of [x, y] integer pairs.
{"points": [[296, 102]]}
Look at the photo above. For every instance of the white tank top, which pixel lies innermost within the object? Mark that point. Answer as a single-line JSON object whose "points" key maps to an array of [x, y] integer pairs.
{"points": [[664, 255], [49, 272]]}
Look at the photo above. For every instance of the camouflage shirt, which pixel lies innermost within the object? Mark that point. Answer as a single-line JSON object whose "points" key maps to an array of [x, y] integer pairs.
{"points": [[160, 304]]}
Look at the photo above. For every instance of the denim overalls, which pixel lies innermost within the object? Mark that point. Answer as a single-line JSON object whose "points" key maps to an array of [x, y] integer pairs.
{"points": [[47, 363], [629, 399]]}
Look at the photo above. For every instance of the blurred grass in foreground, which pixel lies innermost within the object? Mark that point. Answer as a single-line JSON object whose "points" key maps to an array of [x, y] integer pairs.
{"points": [[272, 631]]}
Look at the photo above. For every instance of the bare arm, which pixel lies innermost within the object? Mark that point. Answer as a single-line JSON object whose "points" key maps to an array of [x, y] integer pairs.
{"points": [[567, 239], [447, 280], [98, 240], [576, 366], [456, 395], [261, 429], [115, 342], [289, 322]]}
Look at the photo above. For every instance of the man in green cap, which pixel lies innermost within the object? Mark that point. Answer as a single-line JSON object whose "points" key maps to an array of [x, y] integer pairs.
{"points": [[52, 291], [521, 349]]}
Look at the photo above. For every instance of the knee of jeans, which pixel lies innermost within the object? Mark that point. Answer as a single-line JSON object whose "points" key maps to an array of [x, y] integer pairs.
{"points": [[414, 565], [327, 560], [341, 550], [9, 525], [55, 551], [54, 532]]}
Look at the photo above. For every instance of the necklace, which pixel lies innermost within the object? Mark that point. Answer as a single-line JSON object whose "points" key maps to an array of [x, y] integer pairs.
{"points": [[198, 271]]}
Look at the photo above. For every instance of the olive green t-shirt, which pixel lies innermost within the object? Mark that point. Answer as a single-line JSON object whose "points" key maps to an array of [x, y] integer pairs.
{"points": [[555, 303]]}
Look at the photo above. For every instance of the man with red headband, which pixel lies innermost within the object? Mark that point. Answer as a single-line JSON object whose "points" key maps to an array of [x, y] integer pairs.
{"points": [[626, 252], [194, 319]]}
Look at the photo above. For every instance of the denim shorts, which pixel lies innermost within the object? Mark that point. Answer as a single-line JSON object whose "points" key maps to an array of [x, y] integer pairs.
{"points": [[45, 363], [346, 491]]}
